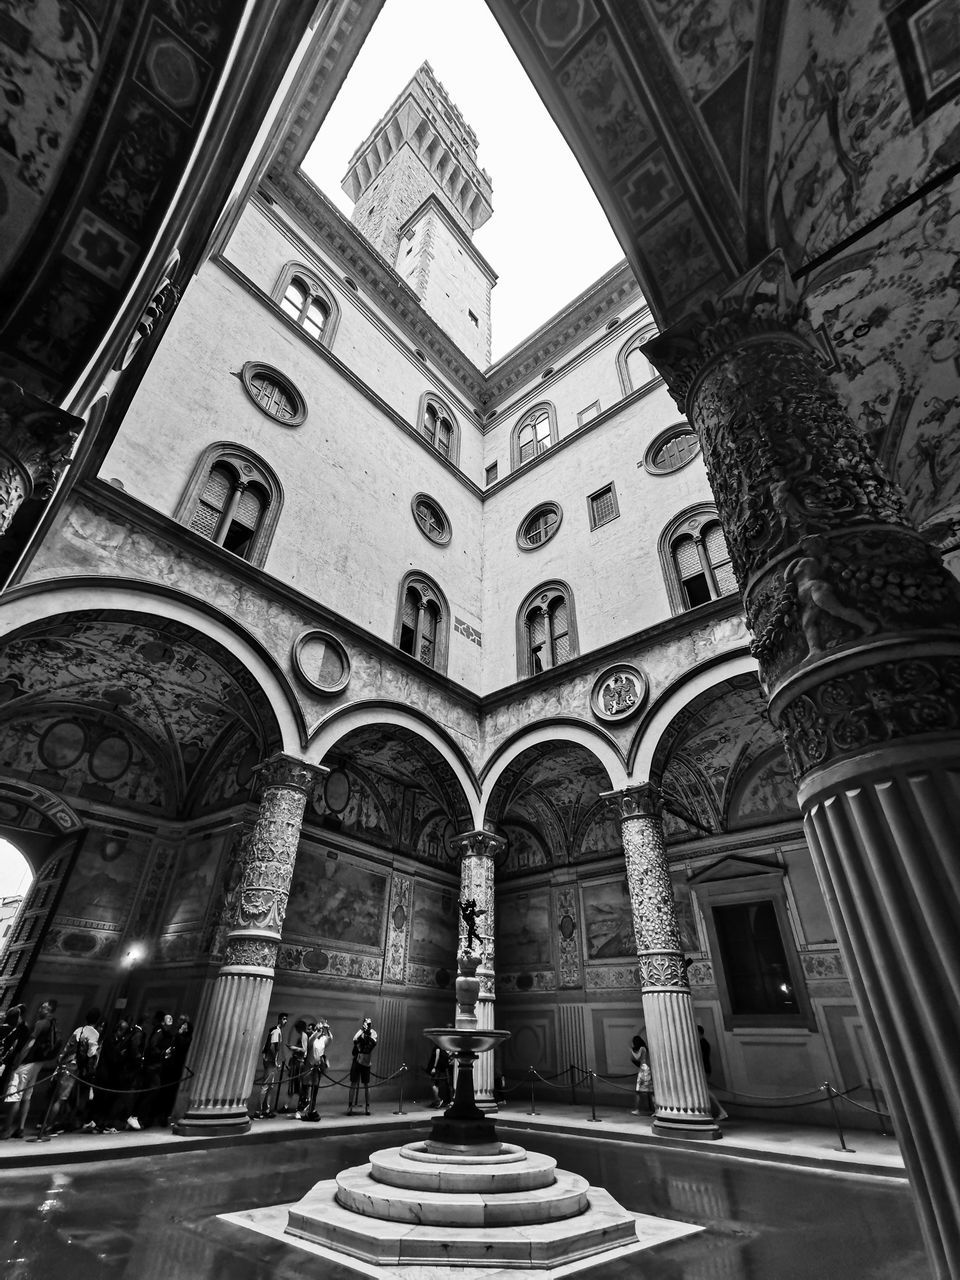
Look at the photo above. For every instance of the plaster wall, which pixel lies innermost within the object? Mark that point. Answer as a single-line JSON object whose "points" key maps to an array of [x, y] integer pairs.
{"points": [[366, 340], [613, 571], [346, 534]]}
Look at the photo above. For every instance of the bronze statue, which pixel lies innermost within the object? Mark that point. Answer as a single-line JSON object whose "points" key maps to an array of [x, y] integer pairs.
{"points": [[469, 913]]}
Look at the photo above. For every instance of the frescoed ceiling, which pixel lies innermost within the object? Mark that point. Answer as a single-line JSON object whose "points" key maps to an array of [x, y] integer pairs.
{"points": [[714, 131], [101, 697], [549, 799], [721, 762]]}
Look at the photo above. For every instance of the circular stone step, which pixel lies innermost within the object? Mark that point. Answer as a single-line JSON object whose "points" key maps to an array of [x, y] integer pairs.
{"points": [[428, 1153], [394, 1168], [361, 1194]]}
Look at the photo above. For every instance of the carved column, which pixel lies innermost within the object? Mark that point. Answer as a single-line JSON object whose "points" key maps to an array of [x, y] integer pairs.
{"points": [[35, 443], [680, 1086], [855, 625], [477, 851], [231, 1032]]}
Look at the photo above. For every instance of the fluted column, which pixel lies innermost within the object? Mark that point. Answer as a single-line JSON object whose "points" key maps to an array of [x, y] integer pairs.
{"points": [[680, 1086], [231, 1032], [477, 850], [35, 442], [856, 627]]}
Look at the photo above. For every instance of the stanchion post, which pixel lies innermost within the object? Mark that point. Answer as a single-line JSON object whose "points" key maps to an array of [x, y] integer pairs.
{"points": [[533, 1099], [403, 1071], [828, 1087], [876, 1106], [276, 1096], [593, 1099], [573, 1085], [43, 1136]]}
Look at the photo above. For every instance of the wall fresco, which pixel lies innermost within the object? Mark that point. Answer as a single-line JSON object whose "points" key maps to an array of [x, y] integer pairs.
{"points": [[333, 897], [524, 931], [607, 920], [436, 923]]}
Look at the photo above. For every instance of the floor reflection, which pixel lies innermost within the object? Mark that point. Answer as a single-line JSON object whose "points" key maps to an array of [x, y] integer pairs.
{"points": [[154, 1218]]}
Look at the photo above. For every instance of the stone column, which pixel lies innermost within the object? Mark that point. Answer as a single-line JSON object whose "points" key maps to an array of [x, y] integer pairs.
{"points": [[35, 443], [231, 1032], [680, 1086], [856, 627], [477, 851]]}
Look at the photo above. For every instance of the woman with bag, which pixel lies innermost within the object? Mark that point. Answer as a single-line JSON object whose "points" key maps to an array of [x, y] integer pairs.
{"points": [[644, 1086]]}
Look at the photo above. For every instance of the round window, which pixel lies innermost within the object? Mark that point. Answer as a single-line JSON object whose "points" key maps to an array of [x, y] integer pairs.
{"points": [[539, 526], [431, 519], [321, 662], [273, 394], [672, 449]]}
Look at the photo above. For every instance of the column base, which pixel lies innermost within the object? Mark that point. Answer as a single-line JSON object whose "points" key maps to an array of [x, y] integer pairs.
{"points": [[705, 1130], [192, 1125]]}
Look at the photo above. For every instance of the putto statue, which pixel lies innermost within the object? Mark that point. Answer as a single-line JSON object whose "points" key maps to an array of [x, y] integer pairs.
{"points": [[468, 914]]}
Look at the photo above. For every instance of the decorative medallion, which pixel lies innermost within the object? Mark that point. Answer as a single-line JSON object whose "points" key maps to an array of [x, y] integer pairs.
{"points": [[336, 791], [321, 662], [619, 692]]}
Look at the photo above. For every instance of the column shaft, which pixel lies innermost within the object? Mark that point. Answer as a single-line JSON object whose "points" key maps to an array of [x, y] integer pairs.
{"points": [[856, 629], [477, 852], [231, 1031], [680, 1086]]}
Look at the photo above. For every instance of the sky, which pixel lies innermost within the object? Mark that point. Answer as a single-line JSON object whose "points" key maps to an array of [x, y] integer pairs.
{"points": [[548, 239], [14, 871]]}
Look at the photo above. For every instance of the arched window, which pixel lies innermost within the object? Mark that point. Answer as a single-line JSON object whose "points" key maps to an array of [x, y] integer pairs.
{"points": [[437, 425], [534, 434], [233, 499], [308, 302], [695, 559], [422, 621], [546, 629], [635, 369]]}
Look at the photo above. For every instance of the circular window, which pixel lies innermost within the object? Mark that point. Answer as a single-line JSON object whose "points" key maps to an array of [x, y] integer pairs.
{"points": [[273, 394], [672, 449], [431, 519], [539, 526], [321, 662]]}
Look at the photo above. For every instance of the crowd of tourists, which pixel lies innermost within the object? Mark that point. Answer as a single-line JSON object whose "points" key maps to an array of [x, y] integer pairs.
{"points": [[99, 1078], [294, 1065]]}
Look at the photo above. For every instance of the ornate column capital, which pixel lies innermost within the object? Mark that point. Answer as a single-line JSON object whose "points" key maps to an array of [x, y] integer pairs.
{"points": [[761, 303], [478, 844], [640, 801], [36, 438], [281, 770]]}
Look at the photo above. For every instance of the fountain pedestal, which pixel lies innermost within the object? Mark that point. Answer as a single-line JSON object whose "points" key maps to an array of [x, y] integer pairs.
{"points": [[463, 1127]]}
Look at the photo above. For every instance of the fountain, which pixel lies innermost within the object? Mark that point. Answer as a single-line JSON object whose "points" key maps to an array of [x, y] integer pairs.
{"points": [[461, 1201]]}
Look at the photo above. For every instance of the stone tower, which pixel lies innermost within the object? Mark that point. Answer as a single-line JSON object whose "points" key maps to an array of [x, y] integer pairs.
{"points": [[419, 196]]}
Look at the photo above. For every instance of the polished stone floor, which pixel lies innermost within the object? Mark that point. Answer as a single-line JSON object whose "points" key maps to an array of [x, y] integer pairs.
{"points": [[153, 1217]]}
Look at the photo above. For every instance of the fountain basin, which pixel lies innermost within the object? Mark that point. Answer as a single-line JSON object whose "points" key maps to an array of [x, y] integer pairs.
{"points": [[457, 1040]]}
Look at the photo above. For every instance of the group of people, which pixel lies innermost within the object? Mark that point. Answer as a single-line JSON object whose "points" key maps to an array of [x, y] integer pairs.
{"points": [[302, 1055], [102, 1079], [644, 1086]]}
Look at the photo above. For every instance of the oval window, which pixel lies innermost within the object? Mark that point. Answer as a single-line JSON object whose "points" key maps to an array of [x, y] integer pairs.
{"points": [[431, 519], [539, 526], [273, 394], [672, 450]]}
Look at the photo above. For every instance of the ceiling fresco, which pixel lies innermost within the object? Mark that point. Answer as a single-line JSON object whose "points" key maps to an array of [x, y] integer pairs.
{"points": [[721, 762], [547, 804], [143, 711]]}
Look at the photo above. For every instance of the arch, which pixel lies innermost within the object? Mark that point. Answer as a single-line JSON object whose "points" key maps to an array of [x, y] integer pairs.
{"points": [[594, 740], [51, 599], [308, 302], [538, 429], [222, 517], [633, 366], [378, 713], [422, 628], [672, 701], [695, 558], [546, 629], [437, 424]]}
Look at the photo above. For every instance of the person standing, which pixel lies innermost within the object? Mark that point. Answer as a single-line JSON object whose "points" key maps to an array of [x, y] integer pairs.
{"points": [[270, 1060], [121, 1052], [644, 1086], [316, 1066], [174, 1061], [717, 1110], [364, 1043], [296, 1057], [39, 1051], [440, 1071], [14, 1034], [149, 1102], [76, 1070]]}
